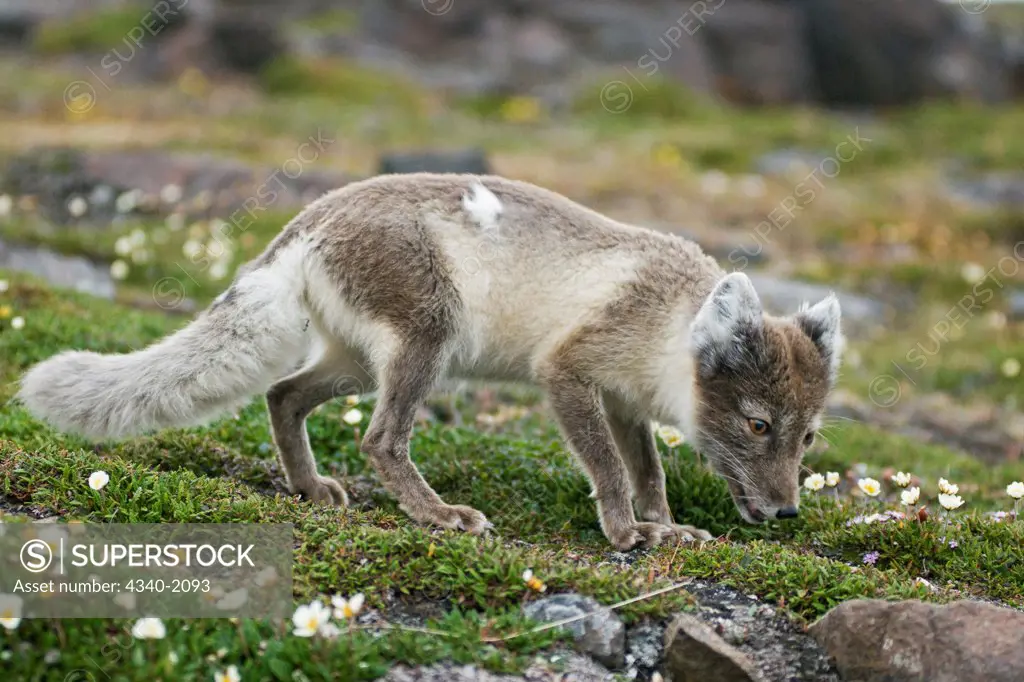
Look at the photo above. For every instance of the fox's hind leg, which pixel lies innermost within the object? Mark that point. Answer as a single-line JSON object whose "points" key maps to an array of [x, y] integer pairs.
{"points": [[290, 400], [406, 378]]}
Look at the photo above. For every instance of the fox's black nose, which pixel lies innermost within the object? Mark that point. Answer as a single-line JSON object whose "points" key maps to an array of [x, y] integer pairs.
{"points": [[786, 513]]}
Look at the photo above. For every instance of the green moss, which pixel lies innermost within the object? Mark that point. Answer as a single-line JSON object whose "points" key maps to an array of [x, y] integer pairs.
{"points": [[345, 84], [98, 31]]}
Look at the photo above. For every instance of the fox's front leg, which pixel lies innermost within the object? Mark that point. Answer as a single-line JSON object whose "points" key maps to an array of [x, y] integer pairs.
{"points": [[635, 441], [578, 407]]}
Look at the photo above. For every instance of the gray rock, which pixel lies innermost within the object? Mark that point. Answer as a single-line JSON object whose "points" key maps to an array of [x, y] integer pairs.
{"points": [[780, 651], [873, 640], [789, 162], [461, 161], [644, 646], [546, 667], [1015, 305], [69, 272], [694, 653], [601, 634], [993, 191]]}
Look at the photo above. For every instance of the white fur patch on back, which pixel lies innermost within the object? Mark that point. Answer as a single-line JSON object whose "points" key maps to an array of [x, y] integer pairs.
{"points": [[482, 206]]}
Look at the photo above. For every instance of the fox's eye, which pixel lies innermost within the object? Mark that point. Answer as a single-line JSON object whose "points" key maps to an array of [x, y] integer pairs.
{"points": [[759, 427], [808, 439]]}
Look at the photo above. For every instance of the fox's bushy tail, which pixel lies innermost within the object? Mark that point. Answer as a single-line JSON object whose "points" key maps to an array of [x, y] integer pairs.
{"points": [[251, 336]]}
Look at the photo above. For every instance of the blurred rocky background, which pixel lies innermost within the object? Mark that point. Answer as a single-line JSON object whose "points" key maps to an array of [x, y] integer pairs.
{"points": [[750, 52]]}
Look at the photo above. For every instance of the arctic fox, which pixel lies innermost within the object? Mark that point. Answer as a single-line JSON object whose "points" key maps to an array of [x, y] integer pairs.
{"points": [[400, 281]]}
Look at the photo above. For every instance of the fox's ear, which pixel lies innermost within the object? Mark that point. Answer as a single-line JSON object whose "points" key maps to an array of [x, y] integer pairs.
{"points": [[732, 307], [821, 322]]}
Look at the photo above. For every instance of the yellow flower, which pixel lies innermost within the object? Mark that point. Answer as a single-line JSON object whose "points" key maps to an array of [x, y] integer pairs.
{"points": [[521, 109], [533, 582], [869, 486], [352, 400], [5, 312], [667, 155]]}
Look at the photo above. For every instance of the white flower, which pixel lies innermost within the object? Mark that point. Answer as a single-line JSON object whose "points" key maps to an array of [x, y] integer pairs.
{"points": [[347, 608], [149, 628], [972, 272], [352, 399], [229, 675], [127, 201], [10, 611], [832, 479], [175, 222], [6, 204], [233, 600], [98, 479], [814, 482], [140, 256], [191, 248], [947, 487], [752, 186], [1015, 490], [352, 417], [172, 657], [910, 496], [950, 501], [18, 322], [1010, 367], [119, 269], [309, 618], [901, 478], [329, 630], [77, 207], [170, 194], [4, 286], [123, 246], [219, 270], [714, 183], [670, 436], [869, 486]]}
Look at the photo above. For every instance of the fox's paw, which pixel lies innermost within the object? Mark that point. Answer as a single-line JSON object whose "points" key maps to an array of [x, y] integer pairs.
{"points": [[457, 517], [645, 535], [693, 534], [323, 489]]}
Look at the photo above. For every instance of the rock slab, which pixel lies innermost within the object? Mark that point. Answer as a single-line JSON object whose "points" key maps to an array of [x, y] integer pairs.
{"points": [[694, 653], [600, 634], [913, 641]]}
